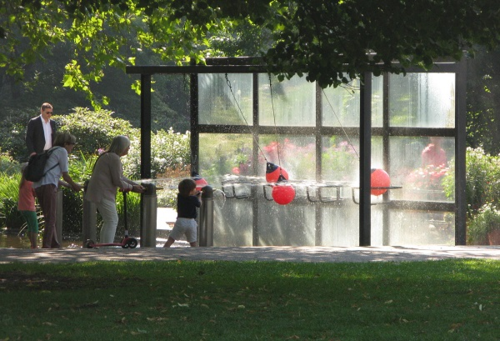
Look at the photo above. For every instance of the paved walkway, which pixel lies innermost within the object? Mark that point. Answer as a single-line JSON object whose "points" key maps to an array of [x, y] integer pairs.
{"points": [[280, 253]]}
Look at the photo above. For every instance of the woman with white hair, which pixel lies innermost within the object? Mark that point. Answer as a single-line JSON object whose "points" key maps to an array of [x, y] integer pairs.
{"points": [[107, 177]]}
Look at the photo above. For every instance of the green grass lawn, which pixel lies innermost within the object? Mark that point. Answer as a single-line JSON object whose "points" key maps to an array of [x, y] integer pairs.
{"points": [[436, 300]]}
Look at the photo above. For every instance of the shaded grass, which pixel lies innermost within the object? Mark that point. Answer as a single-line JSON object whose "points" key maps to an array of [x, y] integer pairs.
{"points": [[438, 300]]}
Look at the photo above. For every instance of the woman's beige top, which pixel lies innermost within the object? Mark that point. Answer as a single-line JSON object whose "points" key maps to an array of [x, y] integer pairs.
{"points": [[106, 178]]}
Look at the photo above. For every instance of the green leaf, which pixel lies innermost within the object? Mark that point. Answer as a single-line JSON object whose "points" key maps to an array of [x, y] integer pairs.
{"points": [[68, 81]]}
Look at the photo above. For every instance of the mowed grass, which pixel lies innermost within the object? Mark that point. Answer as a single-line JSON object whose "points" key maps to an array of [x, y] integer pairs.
{"points": [[188, 300]]}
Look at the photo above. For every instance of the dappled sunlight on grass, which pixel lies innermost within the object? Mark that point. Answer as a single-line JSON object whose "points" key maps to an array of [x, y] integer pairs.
{"points": [[229, 300]]}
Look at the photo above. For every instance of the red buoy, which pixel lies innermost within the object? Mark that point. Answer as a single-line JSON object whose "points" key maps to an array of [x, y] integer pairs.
{"points": [[273, 172], [379, 178], [200, 182], [283, 194]]}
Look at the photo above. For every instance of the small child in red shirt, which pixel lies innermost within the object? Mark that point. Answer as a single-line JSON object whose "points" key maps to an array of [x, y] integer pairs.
{"points": [[26, 205]]}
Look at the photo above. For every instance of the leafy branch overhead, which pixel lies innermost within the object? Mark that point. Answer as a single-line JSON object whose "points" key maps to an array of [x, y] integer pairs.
{"points": [[330, 41]]}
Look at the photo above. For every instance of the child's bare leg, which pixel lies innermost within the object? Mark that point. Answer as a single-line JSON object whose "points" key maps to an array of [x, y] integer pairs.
{"points": [[169, 242]]}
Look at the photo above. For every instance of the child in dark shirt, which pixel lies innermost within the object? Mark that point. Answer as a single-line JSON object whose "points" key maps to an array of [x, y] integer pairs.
{"points": [[188, 199]]}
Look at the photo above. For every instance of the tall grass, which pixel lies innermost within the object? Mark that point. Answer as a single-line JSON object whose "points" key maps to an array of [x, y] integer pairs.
{"points": [[9, 195]]}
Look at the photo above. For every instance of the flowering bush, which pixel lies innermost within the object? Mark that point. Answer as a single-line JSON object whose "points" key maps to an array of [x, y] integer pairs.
{"points": [[429, 177], [169, 151], [482, 172], [340, 161]]}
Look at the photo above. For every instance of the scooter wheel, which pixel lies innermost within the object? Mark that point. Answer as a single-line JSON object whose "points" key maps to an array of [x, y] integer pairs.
{"points": [[132, 243], [89, 244]]}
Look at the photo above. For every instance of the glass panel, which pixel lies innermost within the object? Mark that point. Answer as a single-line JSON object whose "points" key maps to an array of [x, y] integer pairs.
{"points": [[293, 102], [377, 101], [340, 159], [341, 105], [296, 154], [233, 222], [377, 152], [220, 103], [421, 165], [421, 228], [422, 100], [222, 154], [340, 225], [417, 164], [293, 224]]}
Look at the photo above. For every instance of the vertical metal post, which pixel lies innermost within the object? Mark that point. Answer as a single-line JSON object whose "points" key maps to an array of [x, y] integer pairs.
{"points": [[460, 155], [145, 140], [206, 218], [365, 161], [386, 221], [59, 214], [145, 126], [318, 224], [89, 220], [255, 156], [148, 215], [195, 132]]}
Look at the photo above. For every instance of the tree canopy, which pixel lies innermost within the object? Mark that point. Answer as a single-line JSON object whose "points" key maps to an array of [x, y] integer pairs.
{"points": [[330, 41]]}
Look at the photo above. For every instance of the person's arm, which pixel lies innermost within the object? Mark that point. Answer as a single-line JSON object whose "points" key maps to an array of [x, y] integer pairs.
{"points": [[119, 180], [64, 184], [137, 188], [30, 132], [62, 156], [198, 199], [53, 125], [116, 172], [76, 187]]}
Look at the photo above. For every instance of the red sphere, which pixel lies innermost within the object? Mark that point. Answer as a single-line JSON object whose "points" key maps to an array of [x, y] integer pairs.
{"points": [[283, 194], [200, 183], [273, 172], [379, 178]]}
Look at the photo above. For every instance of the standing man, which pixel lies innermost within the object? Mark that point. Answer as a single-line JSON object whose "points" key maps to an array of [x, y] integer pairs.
{"points": [[41, 131]]}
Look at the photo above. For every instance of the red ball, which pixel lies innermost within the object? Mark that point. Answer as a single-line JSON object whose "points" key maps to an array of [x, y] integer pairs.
{"points": [[283, 194], [200, 183], [273, 172], [379, 178]]}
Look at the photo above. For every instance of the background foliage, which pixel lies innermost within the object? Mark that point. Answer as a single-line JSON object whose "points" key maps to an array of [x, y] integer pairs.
{"points": [[332, 41], [94, 131], [48, 48]]}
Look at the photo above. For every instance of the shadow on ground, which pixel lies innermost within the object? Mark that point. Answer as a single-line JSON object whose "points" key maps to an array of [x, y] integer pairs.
{"points": [[240, 254]]}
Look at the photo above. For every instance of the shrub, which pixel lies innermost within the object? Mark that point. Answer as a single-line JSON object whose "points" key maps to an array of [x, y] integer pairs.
{"points": [[93, 129], [13, 132], [8, 165], [482, 185], [169, 151], [485, 221], [9, 194]]}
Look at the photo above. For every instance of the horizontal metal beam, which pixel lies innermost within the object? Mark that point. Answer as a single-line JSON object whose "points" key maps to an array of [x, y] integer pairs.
{"points": [[195, 69], [252, 64], [304, 130]]}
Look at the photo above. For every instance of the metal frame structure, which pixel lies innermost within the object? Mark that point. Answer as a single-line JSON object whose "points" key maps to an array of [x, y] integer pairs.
{"points": [[366, 131]]}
